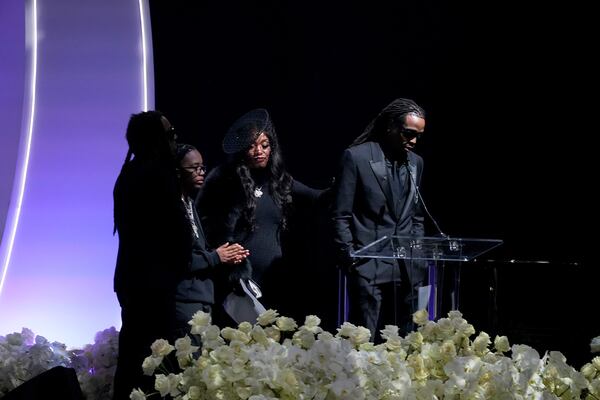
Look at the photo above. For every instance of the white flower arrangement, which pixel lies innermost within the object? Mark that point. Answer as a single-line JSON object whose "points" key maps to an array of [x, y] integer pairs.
{"points": [[24, 355], [96, 363], [274, 359]]}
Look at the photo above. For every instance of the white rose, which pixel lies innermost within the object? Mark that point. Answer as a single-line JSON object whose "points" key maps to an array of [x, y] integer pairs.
{"points": [[184, 347], [481, 343], [346, 329], [415, 339], [150, 364], [272, 332], [312, 323], [416, 362], [421, 317], [360, 335], [465, 329], [245, 327], [228, 333], [325, 336], [448, 350], [259, 335], [286, 324], [389, 331], [162, 384], [393, 344], [185, 351], [174, 380], [212, 376], [304, 338], [445, 328], [588, 370], [200, 320], [212, 333], [429, 330], [137, 394], [15, 339], [596, 362], [501, 344], [267, 318], [161, 348]]}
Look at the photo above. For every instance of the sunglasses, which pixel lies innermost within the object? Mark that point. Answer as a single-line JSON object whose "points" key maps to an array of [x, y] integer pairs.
{"points": [[410, 134]]}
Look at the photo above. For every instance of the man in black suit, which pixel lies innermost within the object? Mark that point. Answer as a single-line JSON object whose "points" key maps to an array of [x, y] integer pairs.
{"points": [[154, 246], [376, 195]]}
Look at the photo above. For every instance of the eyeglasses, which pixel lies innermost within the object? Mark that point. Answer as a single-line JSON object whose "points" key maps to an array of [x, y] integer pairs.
{"points": [[195, 168], [410, 134]]}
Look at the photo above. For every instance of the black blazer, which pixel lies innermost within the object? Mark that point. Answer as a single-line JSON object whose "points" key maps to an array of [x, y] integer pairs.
{"points": [[154, 235], [365, 209], [197, 283]]}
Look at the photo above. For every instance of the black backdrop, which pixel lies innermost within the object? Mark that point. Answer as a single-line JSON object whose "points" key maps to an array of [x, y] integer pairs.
{"points": [[504, 84]]}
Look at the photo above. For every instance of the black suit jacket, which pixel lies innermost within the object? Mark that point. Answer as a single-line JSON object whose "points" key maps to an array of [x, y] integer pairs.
{"points": [[197, 283], [154, 234], [365, 209]]}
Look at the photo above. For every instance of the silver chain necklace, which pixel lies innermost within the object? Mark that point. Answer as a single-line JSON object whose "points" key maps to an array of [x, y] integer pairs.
{"points": [[190, 214]]}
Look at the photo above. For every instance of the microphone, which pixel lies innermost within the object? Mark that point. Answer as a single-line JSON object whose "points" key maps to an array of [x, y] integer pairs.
{"points": [[420, 198]]}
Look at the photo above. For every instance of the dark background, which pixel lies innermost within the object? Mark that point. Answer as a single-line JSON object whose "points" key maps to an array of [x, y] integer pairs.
{"points": [[508, 88]]}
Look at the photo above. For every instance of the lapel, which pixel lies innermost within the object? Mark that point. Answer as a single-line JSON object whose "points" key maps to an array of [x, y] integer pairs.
{"points": [[377, 163], [201, 234], [412, 193]]}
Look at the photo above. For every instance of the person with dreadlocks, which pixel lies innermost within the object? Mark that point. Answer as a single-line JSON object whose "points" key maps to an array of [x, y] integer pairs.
{"points": [[375, 196], [249, 200], [195, 291], [154, 245]]}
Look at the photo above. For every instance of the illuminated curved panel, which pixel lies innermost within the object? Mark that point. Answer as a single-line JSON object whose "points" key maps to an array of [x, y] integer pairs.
{"points": [[12, 97], [91, 70]]}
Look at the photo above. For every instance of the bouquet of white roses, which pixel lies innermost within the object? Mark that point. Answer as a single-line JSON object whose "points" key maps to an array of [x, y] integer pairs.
{"points": [[276, 359]]}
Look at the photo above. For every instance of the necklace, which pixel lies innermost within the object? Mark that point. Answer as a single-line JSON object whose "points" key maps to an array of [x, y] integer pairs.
{"points": [[258, 191], [190, 214]]}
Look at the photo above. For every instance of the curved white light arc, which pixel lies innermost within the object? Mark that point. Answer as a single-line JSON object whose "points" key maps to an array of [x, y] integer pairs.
{"points": [[145, 50], [21, 170]]}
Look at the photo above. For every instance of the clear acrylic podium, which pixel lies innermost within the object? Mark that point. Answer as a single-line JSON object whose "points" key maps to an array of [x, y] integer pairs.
{"points": [[427, 248], [435, 251]]}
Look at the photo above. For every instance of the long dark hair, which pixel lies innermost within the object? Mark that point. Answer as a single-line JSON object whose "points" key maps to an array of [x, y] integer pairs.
{"points": [[279, 181], [146, 137], [394, 114]]}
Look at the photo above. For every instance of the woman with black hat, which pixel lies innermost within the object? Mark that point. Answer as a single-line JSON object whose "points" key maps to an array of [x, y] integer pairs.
{"points": [[249, 200]]}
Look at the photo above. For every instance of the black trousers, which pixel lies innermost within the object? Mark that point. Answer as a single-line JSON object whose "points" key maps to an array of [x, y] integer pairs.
{"points": [[183, 314], [375, 305], [142, 322]]}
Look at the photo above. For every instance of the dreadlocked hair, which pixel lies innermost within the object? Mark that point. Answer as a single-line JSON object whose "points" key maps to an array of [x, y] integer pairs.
{"points": [[279, 181], [181, 151], [393, 114], [146, 136], [147, 140]]}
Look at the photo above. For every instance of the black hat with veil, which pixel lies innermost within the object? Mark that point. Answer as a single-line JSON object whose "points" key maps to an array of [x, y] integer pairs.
{"points": [[244, 131]]}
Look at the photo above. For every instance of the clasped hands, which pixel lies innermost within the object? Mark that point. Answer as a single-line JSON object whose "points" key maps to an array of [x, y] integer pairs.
{"points": [[232, 253]]}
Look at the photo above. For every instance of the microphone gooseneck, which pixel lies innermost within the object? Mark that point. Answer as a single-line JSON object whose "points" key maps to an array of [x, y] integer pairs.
{"points": [[420, 198]]}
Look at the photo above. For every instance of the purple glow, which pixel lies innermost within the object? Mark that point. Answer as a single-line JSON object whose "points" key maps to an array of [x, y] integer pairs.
{"points": [[90, 68], [15, 160]]}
